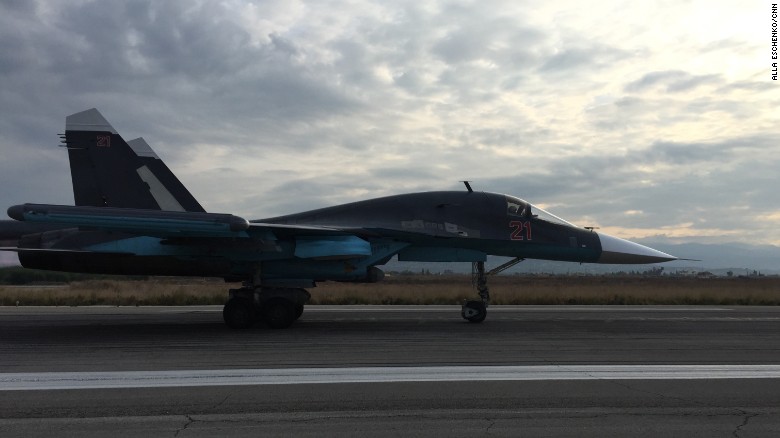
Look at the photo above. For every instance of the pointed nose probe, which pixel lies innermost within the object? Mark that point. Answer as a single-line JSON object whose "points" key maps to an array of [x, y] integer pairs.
{"points": [[620, 251]]}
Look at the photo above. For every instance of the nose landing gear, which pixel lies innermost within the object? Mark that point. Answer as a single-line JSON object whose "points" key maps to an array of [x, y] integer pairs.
{"points": [[476, 310]]}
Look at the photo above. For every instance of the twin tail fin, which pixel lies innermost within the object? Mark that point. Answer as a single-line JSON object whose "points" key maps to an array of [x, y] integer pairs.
{"points": [[107, 171]]}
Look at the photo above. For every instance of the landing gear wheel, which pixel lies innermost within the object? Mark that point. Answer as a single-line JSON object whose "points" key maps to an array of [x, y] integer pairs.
{"points": [[279, 313], [474, 311], [298, 311], [239, 313]]}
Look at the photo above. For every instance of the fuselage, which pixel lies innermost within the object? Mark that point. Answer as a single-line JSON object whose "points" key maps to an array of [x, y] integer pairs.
{"points": [[342, 243], [490, 223]]}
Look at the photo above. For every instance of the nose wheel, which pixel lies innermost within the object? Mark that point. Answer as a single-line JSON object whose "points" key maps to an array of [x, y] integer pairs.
{"points": [[474, 311]]}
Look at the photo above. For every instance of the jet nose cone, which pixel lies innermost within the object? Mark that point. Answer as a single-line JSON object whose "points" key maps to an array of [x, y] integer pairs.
{"points": [[620, 251]]}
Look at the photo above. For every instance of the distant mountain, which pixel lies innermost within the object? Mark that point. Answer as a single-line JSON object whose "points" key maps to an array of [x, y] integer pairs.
{"points": [[764, 258]]}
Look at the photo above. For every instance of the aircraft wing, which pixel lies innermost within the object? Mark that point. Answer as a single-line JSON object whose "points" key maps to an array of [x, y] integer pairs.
{"points": [[310, 241]]}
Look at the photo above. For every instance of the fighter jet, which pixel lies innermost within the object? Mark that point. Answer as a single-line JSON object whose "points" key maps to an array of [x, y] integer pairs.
{"points": [[134, 217]]}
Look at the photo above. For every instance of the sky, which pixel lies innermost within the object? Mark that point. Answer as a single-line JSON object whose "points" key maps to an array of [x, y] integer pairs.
{"points": [[651, 120]]}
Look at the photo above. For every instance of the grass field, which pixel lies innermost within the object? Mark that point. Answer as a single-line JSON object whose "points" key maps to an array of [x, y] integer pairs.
{"points": [[423, 289]]}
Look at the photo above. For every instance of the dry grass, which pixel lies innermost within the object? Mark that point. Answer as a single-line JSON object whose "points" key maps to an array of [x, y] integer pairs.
{"points": [[116, 293], [559, 290], [420, 290]]}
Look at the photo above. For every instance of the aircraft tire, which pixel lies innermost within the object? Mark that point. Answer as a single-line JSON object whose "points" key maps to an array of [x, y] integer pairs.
{"points": [[239, 313], [298, 311], [279, 313], [474, 311]]}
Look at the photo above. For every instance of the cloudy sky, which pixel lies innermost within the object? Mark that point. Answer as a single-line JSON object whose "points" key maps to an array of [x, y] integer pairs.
{"points": [[655, 118]]}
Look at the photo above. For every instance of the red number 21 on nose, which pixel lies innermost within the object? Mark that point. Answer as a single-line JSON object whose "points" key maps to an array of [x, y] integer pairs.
{"points": [[517, 230]]}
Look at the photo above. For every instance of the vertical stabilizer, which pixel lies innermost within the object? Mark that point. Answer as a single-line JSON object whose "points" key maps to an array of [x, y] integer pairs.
{"points": [[107, 171]]}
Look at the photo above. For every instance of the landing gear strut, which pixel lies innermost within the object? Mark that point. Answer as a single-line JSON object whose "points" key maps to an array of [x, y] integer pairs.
{"points": [[473, 310], [277, 307], [476, 310]]}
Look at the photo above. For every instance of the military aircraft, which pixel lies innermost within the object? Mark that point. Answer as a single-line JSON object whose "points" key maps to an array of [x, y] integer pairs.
{"points": [[134, 217]]}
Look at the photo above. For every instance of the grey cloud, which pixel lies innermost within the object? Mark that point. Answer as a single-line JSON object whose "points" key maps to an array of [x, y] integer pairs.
{"points": [[283, 45], [410, 81], [592, 56], [653, 78], [175, 38], [305, 193], [739, 109], [507, 42], [460, 47], [18, 6], [172, 53], [43, 178], [756, 86], [402, 173], [692, 82], [680, 153], [567, 60], [668, 153], [672, 81], [609, 179], [629, 113], [355, 62]]}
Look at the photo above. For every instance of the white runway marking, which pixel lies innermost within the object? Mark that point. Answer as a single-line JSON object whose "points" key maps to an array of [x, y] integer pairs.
{"points": [[288, 376]]}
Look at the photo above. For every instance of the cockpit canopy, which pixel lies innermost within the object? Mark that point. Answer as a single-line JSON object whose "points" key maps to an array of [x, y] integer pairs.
{"points": [[516, 207]]}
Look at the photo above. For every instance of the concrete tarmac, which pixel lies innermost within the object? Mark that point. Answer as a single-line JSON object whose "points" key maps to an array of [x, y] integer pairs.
{"points": [[109, 339]]}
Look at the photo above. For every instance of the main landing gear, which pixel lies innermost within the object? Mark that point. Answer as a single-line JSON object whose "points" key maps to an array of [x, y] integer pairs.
{"points": [[476, 310], [278, 308]]}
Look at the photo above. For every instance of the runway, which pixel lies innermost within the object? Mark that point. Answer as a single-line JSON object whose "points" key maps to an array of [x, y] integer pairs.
{"points": [[404, 370]]}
